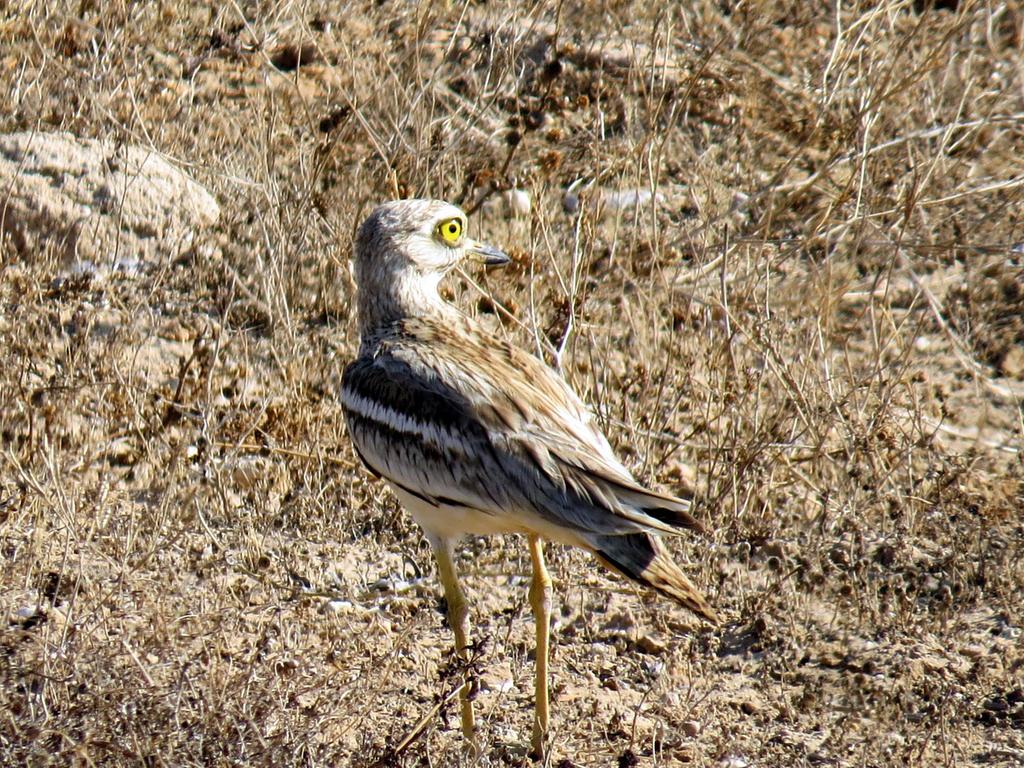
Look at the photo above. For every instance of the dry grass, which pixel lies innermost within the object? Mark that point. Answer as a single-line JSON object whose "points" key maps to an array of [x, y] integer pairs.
{"points": [[818, 320]]}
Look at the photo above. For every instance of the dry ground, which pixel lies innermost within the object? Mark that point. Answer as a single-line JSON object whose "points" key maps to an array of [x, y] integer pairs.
{"points": [[814, 313]]}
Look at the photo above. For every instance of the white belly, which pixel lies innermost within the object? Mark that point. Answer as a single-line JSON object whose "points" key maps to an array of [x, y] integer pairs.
{"points": [[447, 522], [451, 523]]}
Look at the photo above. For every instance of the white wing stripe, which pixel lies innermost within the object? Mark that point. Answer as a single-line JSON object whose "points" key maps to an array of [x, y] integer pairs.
{"points": [[374, 410]]}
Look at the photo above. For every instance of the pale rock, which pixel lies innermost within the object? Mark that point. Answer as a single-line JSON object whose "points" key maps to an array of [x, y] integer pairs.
{"points": [[247, 472], [339, 606], [496, 680], [650, 644], [626, 199], [973, 651], [1012, 364], [518, 203], [103, 206]]}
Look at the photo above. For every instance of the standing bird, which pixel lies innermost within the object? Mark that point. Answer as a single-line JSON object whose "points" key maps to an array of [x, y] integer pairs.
{"points": [[478, 437]]}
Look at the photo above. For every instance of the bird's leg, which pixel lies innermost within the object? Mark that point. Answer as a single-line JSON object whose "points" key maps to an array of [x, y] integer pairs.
{"points": [[540, 601], [458, 617]]}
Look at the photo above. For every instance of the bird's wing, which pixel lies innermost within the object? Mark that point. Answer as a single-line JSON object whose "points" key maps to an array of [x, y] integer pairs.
{"points": [[452, 415]]}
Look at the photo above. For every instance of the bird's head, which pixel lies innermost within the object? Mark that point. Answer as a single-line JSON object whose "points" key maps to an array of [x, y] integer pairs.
{"points": [[422, 239]]}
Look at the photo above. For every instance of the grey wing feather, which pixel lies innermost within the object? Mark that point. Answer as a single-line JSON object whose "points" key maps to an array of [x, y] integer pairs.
{"points": [[413, 432], [501, 433]]}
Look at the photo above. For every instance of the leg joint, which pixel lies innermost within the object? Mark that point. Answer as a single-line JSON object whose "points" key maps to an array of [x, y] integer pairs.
{"points": [[540, 592]]}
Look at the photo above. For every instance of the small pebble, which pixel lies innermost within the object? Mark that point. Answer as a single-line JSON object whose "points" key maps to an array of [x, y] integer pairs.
{"points": [[518, 202], [649, 644], [654, 668], [628, 198], [750, 707], [390, 585], [339, 606], [691, 728]]}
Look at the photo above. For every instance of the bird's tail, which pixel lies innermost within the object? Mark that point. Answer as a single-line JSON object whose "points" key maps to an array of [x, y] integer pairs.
{"points": [[642, 558]]}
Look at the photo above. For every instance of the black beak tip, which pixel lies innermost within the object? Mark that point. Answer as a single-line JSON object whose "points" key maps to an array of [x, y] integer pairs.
{"points": [[491, 256]]}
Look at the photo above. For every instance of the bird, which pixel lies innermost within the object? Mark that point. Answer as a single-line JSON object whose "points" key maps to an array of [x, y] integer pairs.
{"points": [[476, 436]]}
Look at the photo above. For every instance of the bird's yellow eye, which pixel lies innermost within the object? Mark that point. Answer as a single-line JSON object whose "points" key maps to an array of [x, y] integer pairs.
{"points": [[450, 231]]}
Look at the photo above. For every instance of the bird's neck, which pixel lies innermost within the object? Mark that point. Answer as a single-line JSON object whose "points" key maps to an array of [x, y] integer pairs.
{"points": [[401, 297]]}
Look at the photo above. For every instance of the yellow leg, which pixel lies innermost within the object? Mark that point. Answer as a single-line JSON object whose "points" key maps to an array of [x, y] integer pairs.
{"points": [[540, 601], [458, 617]]}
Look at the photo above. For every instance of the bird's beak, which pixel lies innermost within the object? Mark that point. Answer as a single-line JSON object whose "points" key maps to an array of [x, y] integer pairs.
{"points": [[486, 254]]}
